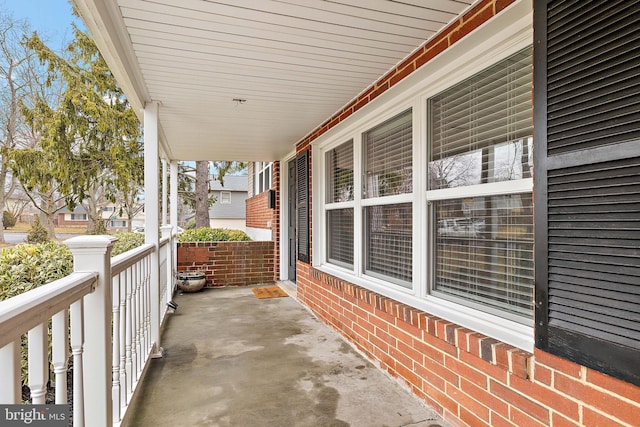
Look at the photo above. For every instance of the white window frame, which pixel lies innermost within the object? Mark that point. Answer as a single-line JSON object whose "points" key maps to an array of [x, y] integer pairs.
{"points": [[504, 35], [262, 176], [225, 197]]}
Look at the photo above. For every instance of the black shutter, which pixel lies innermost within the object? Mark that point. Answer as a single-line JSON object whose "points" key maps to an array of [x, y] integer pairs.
{"points": [[587, 182], [302, 166]]}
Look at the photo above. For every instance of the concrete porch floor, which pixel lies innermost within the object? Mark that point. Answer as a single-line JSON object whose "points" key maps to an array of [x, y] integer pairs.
{"points": [[234, 360]]}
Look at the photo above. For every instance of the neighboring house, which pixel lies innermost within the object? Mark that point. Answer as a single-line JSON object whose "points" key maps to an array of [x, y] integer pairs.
{"points": [[229, 210], [474, 234], [76, 218]]}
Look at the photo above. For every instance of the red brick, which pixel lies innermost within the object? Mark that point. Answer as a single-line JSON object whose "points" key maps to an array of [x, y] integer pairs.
{"points": [[592, 418], [606, 402], [517, 400], [440, 344], [462, 338], [429, 377], [440, 370], [498, 421], [546, 397], [443, 400], [410, 352], [471, 419], [487, 368], [408, 375], [558, 420], [386, 337], [408, 328], [483, 396], [400, 358], [614, 385], [519, 362], [501, 356], [429, 351], [468, 403], [520, 418], [557, 363], [466, 371]]}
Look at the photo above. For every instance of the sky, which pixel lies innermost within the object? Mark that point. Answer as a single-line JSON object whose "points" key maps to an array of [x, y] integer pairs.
{"points": [[50, 18]]}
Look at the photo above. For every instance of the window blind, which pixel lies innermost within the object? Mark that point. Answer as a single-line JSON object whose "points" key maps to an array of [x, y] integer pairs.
{"points": [[484, 252], [481, 127], [339, 162], [388, 157], [388, 242], [340, 237]]}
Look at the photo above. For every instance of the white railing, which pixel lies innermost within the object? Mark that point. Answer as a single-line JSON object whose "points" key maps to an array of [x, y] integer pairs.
{"points": [[103, 313]]}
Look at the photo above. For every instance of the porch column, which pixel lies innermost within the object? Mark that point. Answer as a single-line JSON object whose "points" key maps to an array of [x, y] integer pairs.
{"points": [[152, 215], [93, 253], [173, 220], [164, 192], [173, 186]]}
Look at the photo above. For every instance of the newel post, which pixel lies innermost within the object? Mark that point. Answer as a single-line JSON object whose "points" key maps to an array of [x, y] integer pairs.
{"points": [[93, 253]]}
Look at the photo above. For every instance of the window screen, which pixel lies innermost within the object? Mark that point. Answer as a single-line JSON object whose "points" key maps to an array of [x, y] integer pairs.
{"points": [[339, 177], [340, 237]]}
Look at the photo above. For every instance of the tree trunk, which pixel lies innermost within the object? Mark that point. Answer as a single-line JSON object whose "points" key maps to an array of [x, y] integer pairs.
{"points": [[202, 193], [48, 208]]}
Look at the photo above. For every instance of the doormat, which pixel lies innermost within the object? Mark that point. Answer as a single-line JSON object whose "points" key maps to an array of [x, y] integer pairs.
{"points": [[269, 292]]}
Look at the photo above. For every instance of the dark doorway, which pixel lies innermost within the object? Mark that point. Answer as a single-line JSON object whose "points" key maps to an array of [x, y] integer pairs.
{"points": [[292, 215]]}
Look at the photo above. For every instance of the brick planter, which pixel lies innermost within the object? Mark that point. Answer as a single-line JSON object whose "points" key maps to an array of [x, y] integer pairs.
{"points": [[229, 263]]}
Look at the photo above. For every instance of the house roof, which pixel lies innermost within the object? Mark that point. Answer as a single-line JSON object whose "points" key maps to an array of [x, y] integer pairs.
{"points": [[245, 79], [231, 183]]}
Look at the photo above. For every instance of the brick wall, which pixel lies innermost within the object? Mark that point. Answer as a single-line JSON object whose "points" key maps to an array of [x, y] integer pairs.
{"points": [[468, 378], [258, 213], [229, 263]]}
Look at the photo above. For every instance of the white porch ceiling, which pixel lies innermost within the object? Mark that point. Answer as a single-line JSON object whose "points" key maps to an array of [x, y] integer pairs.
{"points": [[294, 62]]}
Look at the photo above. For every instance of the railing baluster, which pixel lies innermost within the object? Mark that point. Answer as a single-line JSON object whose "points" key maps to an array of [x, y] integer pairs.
{"points": [[38, 350], [147, 308], [134, 325], [10, 390], [122, 332], [60, 353], [115, 346], [77, 343], [129, 332]]}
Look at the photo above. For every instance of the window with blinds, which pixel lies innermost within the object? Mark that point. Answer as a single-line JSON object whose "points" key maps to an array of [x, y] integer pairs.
{"points": [[339, 176], [484, 252], [481, 128], [388, 253], [388, 165], [480, 132], [339, 162], [388, 170]]}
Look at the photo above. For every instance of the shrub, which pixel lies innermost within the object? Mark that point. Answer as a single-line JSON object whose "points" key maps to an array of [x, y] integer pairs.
{"points": [[37, 233], [8, 220], [212, 235], [126, 242], [27, 266]]}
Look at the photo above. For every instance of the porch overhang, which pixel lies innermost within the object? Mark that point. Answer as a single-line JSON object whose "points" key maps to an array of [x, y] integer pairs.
{"points": [[246, 80]]}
